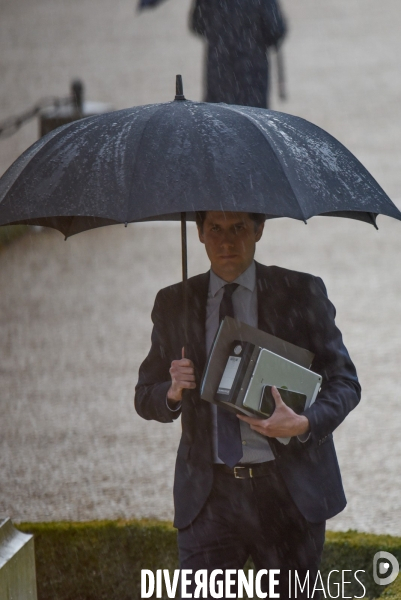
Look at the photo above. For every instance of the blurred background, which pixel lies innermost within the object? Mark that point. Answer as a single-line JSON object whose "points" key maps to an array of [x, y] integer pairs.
{"points": [[75, 316]]}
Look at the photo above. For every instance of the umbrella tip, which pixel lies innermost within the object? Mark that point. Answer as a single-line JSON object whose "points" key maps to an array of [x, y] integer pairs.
{"points": [[179, 90], [373, 217]]}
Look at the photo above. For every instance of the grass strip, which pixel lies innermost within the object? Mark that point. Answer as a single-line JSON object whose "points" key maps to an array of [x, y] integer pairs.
{"points": [[103, 559]]}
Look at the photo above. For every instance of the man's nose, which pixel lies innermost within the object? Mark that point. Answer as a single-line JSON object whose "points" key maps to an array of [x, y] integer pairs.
{"points": [[227, 238]]}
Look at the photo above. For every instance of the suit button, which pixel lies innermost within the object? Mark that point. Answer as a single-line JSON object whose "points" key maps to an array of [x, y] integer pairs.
{"points": [[243, 442]]}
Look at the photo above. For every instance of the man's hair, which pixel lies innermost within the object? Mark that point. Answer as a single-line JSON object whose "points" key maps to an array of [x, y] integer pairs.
{"points": [[200, 217]]}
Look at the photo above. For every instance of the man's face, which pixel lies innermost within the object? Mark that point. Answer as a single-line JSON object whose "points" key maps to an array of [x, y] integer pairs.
{"points": [[230, 240]]}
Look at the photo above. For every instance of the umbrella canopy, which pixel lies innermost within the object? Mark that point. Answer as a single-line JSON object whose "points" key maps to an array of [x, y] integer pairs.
{"points": [[160, 161]]}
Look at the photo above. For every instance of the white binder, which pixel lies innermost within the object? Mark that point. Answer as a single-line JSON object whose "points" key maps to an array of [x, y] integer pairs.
{"points": [[271, 369]]}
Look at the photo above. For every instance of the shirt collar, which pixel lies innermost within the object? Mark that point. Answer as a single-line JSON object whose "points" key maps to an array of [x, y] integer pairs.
{"points": [[247, 279]]}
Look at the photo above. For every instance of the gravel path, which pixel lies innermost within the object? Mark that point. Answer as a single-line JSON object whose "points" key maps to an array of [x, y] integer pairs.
{"points": [[74, 317]]}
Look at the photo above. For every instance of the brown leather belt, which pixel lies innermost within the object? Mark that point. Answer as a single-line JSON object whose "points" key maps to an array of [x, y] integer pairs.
{"points": [[247, 471]]}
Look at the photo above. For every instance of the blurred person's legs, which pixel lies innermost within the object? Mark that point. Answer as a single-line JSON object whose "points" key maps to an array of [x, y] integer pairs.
{"points": [[241, 79], [252, 517]]}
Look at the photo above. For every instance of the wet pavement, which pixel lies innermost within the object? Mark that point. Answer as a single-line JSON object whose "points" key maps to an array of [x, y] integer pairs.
{"points": [[74, 316]]}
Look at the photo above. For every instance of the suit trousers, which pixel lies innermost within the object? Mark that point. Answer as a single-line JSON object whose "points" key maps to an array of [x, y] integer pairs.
{"points": [[253, 517]]}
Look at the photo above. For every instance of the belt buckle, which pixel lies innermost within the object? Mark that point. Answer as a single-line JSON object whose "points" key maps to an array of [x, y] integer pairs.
{"points": [[237, 476]]}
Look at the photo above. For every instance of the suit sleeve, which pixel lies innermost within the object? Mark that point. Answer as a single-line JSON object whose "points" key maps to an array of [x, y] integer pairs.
{"points": [[198, 18], [154, 376], [340, 391], [274, 26]]}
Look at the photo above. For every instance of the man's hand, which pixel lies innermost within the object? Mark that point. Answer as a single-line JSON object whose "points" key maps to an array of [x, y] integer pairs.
{"points": [[182, 378], [284, 422]]}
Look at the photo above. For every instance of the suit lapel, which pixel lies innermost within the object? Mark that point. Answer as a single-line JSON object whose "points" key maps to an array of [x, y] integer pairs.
{"points": [[268, 309], [276, 302]]}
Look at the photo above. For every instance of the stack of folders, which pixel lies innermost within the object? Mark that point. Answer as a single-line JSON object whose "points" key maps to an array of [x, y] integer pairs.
{"points": [[243, 365]]}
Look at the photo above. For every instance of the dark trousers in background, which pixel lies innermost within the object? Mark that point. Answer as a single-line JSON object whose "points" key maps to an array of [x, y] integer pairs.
{"points": [[253, 517]]}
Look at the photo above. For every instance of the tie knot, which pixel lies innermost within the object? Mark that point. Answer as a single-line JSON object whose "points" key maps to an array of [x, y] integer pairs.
{"points": [[229, 289]]}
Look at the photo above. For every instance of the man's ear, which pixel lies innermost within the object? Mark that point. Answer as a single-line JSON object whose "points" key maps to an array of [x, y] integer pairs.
{"points": [[259, 231], [200, 235]]}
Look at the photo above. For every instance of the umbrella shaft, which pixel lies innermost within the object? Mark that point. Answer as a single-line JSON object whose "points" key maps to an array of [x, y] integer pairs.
{"points": [[184, 272], [184, 246]]}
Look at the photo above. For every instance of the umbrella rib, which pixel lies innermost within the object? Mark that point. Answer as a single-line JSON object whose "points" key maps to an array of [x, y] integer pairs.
{"points": [[134, 160], [252, 121]]}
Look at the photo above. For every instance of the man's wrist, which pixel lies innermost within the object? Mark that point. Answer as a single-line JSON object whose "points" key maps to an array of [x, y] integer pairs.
{"points": [[172, 397], [303, 426]]}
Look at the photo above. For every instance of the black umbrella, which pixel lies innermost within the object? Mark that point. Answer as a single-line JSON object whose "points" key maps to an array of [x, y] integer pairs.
{"points": [[166, 161]]}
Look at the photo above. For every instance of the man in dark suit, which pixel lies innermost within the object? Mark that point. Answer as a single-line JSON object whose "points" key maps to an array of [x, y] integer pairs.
{"points": [[237, 490]]}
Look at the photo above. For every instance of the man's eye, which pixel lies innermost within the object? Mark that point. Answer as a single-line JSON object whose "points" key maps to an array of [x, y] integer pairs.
{"points": [[215, 228]]}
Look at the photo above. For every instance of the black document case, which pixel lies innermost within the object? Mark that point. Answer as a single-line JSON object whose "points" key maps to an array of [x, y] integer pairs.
{"points": [[229, 368]]}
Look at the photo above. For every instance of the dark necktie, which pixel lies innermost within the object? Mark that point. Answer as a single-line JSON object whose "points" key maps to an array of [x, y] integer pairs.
{"points": [[229, 444]]}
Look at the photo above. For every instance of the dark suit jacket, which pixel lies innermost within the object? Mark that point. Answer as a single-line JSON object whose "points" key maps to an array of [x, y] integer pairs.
{"points": [[293, 306]]}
